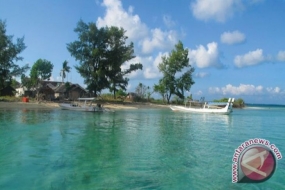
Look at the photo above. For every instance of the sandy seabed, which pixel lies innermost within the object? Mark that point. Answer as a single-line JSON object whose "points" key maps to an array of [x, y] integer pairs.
{"points": [[53, 105]]}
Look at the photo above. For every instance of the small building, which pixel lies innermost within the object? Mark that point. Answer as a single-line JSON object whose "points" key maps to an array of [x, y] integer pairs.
{"points": [[20, 91], [8, 91], [51, 90], [131, 96], [76, 91], [60, 92]]}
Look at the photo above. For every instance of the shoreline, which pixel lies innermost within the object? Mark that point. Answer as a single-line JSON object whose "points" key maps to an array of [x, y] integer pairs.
{"points": [[54, 105]]}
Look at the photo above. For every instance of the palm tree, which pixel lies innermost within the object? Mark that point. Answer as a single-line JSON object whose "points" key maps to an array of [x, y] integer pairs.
{"points": [[65, 68]]}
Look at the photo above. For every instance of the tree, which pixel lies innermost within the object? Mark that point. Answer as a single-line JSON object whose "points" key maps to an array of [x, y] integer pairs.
{"points": [[14, 83], [26, 82], [177, 73], [101, 52], [9, 55], [149, 92], [65, 69], [118, 79], [118, 53], [160, 88], [141, 90], [41, 70], [89, 50]]}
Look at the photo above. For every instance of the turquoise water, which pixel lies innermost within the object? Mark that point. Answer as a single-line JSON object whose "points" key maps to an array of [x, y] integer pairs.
{"points": [[132, 149]]}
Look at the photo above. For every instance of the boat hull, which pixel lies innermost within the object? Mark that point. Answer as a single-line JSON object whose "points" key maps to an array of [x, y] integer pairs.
{"points": [[75, 107], [224, 111]]}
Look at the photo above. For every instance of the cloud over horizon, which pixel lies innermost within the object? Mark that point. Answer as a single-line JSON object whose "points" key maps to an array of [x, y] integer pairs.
{"points": [[244, 89], [281, 56]]}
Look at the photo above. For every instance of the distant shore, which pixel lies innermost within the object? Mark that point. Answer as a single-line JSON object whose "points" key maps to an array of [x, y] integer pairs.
{"points": [[54, 105]]}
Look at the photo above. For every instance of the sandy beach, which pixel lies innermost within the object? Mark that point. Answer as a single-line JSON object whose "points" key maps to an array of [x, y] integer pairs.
{"points": [[54, 105]]}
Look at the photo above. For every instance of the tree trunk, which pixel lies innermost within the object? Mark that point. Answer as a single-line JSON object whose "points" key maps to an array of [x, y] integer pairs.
{"points": [[168, 98], [114, 94]]}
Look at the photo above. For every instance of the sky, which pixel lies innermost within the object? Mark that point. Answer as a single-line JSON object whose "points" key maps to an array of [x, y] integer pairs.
{"points": [[237, 47]]}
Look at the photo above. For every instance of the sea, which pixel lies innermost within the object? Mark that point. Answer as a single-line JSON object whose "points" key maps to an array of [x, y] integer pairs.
{"points": [[133, 148]]}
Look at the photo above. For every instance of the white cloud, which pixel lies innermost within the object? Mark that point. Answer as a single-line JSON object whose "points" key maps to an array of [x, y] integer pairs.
{"points": [[232, 37], [137, 31], [205, 57], [251, 58], [219, 10], [215, 90], [159, 40], [281, 56], [116, 16], [247, 89], [168, 21], [199, 93], [201, 75], [275, 90], [151, 66], [242, 89]]}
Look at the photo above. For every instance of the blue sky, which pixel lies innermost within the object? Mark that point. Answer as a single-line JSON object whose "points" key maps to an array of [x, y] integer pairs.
{"points": [[237, 47]]}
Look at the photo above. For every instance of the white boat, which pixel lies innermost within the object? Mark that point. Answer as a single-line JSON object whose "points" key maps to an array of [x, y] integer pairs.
{"points": [[87, 107], [215, 107]]}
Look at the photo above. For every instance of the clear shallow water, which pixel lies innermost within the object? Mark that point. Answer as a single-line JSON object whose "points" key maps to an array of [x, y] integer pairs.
{"points": [[131, 149]]}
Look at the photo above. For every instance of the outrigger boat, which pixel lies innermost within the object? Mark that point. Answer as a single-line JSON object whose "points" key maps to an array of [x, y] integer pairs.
{"points": [[205, 107], [87, 107]]}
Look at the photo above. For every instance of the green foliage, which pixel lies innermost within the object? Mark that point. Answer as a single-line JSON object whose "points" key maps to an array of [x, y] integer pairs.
{"points": [[26, 82], [160, 88], [14, 83], [175, 79], [189, 97], [10, 99], [118, 53], [121, 93], [90, 51], [222, 100], [41, 70], [101, 52], [9, 55], [67, 86], [237, 103], [157, 101]]}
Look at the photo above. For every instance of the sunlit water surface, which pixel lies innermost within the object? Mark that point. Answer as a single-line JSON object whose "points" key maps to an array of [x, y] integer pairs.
{"points": [[131, 149]]}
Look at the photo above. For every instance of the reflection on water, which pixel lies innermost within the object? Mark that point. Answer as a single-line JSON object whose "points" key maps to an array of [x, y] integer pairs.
{"points": [[131, 149]]}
